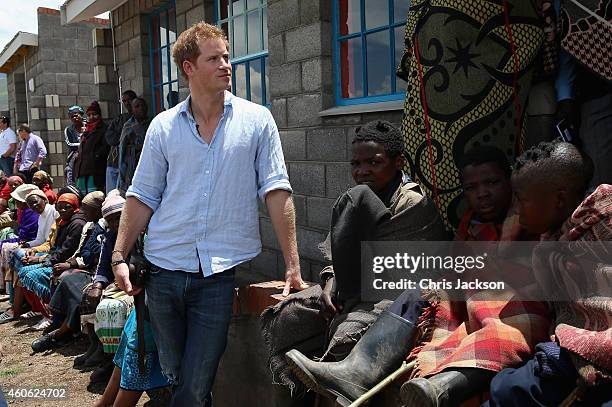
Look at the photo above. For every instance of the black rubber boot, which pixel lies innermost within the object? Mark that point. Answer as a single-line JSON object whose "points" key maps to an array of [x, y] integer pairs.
{"points": [[97, 357], [445, 389], [380, 351], [104, 372], [93, 345]]}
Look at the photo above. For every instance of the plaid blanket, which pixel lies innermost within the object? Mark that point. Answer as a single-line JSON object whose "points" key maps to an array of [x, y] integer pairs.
{"points": [[584, 326], [489, 330]]}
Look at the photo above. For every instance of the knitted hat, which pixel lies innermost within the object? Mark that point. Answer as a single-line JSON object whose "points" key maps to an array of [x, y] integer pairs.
{"points": [[94, 199], [21, 192], [113, 203], [38, 193], [95, 106]]}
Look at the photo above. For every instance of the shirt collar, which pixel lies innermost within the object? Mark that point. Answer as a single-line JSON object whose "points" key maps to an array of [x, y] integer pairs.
{"points": [[184, 105]]}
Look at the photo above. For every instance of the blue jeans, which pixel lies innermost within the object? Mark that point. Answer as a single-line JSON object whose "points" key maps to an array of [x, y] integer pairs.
{"points": [[190, 316], [6, 165], [112, 178]]}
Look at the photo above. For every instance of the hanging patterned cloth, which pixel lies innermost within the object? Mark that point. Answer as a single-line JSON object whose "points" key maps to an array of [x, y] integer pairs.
{"points": [[468, 65]]}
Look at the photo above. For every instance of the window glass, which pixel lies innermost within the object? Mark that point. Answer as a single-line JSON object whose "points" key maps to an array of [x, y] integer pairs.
{"points": [[352, 70]]}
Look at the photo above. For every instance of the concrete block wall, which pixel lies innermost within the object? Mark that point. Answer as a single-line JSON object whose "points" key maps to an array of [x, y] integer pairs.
{"points": [[62, 67], [17, 97]]}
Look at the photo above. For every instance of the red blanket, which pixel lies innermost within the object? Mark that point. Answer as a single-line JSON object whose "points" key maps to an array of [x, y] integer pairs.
{"points": [[489, 330]]}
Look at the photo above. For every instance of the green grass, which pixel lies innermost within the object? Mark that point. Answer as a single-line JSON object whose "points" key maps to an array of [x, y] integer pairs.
{"points": [[10, 372]]}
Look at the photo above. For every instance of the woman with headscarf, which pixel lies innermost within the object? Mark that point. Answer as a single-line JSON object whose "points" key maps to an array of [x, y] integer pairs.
{"points": [[90, 164], [44, 181], [75, 273], [8, 217], [34, 270]]}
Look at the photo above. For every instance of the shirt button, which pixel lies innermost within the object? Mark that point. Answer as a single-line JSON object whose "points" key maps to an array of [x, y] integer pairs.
{"points": [[207, 172], [205, 194]]}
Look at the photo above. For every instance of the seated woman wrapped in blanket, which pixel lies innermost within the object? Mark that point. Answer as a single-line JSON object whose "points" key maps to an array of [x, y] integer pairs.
{"points": [[458, 345], [72, 275], [385, 205]]}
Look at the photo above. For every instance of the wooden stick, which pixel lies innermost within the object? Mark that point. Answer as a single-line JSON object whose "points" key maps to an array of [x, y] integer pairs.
{"points": [[569, 400], [406, 367]]}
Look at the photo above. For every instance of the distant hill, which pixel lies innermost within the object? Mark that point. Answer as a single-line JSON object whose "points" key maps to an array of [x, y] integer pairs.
{"points": [[3, 93]]}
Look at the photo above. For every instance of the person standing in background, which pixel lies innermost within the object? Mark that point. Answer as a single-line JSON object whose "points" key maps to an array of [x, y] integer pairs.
{"points": [[30, 154], [8, 145], [113, 137]]}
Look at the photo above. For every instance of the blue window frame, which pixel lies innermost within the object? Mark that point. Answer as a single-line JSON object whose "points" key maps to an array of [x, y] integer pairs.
{"points": [[245, 23], [163, 70], [368, 46]]}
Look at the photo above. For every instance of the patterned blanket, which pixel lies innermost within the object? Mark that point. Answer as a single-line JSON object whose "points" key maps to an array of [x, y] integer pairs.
{"points": [[583, 326], [490, 330]]}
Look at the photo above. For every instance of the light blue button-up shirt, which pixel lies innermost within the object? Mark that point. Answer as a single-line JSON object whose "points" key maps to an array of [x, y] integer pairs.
{"points": [[204, 197]]}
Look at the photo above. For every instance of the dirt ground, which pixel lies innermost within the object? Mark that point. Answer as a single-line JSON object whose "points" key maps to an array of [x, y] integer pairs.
{"points": [[20, 368]]}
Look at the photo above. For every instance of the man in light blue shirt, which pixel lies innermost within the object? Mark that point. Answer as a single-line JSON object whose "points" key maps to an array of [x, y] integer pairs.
{"points": [[203, 166]]}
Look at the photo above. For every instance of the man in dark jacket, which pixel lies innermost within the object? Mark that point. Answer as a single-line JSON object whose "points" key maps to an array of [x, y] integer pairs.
{"points": [[113, 137], [90, 165]]}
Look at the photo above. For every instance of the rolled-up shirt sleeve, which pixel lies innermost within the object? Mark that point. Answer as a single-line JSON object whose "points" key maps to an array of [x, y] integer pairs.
{"points": [[149, 180], [270, 162]]}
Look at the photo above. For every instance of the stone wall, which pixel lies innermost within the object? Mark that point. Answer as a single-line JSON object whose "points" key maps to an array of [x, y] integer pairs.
{"points": [[62, 70]]}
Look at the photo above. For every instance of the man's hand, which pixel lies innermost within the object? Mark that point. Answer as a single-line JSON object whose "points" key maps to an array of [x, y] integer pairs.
{"points": [[293, 279], [327, 308], [122, 279], [94, 294]]}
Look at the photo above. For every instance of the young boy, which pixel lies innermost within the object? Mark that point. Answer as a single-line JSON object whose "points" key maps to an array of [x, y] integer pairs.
{"points": [[384, 205], [549, 182]]}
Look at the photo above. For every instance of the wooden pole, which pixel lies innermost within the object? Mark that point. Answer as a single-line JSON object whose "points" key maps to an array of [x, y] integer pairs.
{"points": [[406, 367]]}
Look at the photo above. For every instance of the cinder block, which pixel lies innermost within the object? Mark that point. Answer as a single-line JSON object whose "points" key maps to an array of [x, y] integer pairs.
{"points": [[319, 212], [326, 144], [59, 147], [301, 214], [51, 148], [303, 43], [308, 243], [303, 110], [307, 178], [338, 179], [50, 124], [294, 144], [285, 79], [67, 78], [279, 112], [283, 16], [34, 113], [276, 49]]}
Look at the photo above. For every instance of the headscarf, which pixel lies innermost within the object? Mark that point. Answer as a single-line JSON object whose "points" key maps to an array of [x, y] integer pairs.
{"points": [[113, 203], [14, 178], [95, 106], [76, 109], [5, 193], [20, 193], [72, 199], [45, 177]]}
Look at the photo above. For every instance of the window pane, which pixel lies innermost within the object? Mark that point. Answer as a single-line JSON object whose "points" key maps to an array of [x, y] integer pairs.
{"points": [[166, 89], [349, 16], [351, 68], [162, 29], [252, 4], [254, 39], [237, 7], [240, 77], [379, 64], [238, 37], [265, 28], [376, 13], [171, 26], [164, 65], [267, 84], [399, 52], [173, 96], [255, 77], [223, 9], [400, 10]]}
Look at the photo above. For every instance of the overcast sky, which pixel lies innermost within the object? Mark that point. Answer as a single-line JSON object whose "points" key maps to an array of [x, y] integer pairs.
{"points": [[20, 15]]}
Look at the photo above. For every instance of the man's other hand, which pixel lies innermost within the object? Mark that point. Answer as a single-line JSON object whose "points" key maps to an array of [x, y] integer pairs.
{"points": [[293, 279], [122, 279]]}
